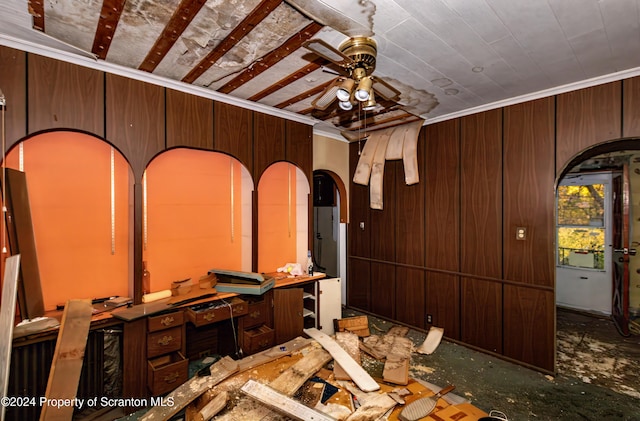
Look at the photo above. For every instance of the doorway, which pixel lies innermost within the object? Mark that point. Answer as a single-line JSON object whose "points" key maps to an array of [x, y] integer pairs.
{"points": [[583, 242], [329, 227]]}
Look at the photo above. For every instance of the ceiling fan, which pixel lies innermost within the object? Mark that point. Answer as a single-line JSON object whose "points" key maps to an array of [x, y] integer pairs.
{"points": [[356, 61]]}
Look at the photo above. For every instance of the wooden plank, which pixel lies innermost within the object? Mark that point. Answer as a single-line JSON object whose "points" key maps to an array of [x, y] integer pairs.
{"points": [[190, 390], [7, 319], [295, 376], [360, 377], [282, 403], [432, 340], [214, 406], [349, 342], [357, 324], [67, 361], [373, 408], [396, 367], [22, 241], [273, 354]]}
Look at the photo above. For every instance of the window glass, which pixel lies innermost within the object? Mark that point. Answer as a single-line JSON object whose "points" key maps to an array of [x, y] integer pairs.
{"points": [[580, 230]]}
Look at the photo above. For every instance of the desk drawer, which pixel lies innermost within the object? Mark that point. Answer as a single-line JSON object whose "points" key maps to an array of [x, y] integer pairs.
{"points": [[165, 321], [216, 311], [167, 372], [164, 341], [258, 339], [257, 314]]}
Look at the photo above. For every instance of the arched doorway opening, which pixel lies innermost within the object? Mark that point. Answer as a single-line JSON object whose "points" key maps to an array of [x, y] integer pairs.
{"points": [[329, 225], [597, 228], [595, 231]]}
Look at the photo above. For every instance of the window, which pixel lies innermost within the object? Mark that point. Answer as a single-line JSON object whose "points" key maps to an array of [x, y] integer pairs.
{"points": [[581, 224]]}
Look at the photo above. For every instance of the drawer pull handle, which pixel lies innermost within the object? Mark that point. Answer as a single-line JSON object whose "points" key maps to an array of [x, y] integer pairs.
{"points": [[171, 378], [165, 340], [167, 321], [238, 309], [255, 314], [209, 316]]}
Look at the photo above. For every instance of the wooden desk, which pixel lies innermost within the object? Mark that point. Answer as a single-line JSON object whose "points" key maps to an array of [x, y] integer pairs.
{"points": [[136, 318]]}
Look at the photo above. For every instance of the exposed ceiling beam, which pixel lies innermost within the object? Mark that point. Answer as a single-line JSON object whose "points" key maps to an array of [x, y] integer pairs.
{"points": [[36, 9], [257, 15], [311, 92], [181, 18], [109, 18], [287, 80], [273, 57]]}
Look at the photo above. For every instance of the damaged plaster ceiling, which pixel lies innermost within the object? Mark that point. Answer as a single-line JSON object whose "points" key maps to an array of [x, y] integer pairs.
{"points": [[445, 57]]}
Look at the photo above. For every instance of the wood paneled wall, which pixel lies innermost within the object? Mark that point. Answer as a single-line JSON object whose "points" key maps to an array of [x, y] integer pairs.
{"points": [[453, 255], [142, 120]]}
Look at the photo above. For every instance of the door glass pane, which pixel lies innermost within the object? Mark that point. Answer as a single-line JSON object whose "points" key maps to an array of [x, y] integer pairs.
{"points": [[581, 226]]}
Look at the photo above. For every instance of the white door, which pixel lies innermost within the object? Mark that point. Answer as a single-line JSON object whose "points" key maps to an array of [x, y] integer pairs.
{"points": [[583, 239]]}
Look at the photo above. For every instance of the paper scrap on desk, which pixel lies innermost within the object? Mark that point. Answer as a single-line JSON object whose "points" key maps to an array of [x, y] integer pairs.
{"points": [[155, 296], [432, 341]]}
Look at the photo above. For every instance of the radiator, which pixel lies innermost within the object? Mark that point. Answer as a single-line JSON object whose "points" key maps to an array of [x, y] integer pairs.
{"points": [[30, 366]]}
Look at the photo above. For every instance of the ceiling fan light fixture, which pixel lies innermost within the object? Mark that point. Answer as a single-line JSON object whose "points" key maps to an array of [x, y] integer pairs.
{"points": [[370, 104], [346, 105], [344, 91], [364, 87]]}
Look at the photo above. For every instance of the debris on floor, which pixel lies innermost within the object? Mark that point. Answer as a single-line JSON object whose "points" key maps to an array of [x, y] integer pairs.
{"points": [[321, 378]]}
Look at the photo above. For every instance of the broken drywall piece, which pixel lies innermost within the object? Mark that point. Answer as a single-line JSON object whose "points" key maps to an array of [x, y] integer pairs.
{"points": [[432, 341]]}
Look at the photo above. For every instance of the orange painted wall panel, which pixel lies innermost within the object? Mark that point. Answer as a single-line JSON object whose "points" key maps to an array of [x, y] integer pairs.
{"points": [[70, 198], [191, 225], [277, 217]]}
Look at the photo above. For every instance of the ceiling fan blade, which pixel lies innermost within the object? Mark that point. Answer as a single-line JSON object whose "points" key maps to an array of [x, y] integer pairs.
{"points": [[326, 51], [385, 90], [327, 97]]}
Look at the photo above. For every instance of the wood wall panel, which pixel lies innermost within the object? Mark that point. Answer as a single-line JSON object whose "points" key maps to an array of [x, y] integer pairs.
{"points": [[587, 117], [529, 198], [233, 133], [442, 190], [13, 68], [410, 222], [299, 151], [359, 237], [631, 107], [383, 239], [383, 289], [359, 284], [481, 314], [268, 142], [481, 194], [299, 147], [410, 295], [443, 302], [135, 120], [529, 326], [63, 95], [189, 120]]}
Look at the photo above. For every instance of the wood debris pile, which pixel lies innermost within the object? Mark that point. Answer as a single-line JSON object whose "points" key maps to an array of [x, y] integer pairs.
{"points": [[317, 379]]}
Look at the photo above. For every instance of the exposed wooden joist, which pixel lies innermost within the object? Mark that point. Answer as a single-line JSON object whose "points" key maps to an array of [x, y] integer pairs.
{"points": [[257, 15], [377, 119], [181, 18], [311, 92], [287, 80], [36, 9], [273, 57], [109, 18]]}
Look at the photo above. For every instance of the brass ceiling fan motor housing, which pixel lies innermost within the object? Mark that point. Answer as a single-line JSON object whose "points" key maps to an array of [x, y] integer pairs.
{"points": [[363, 51]]}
